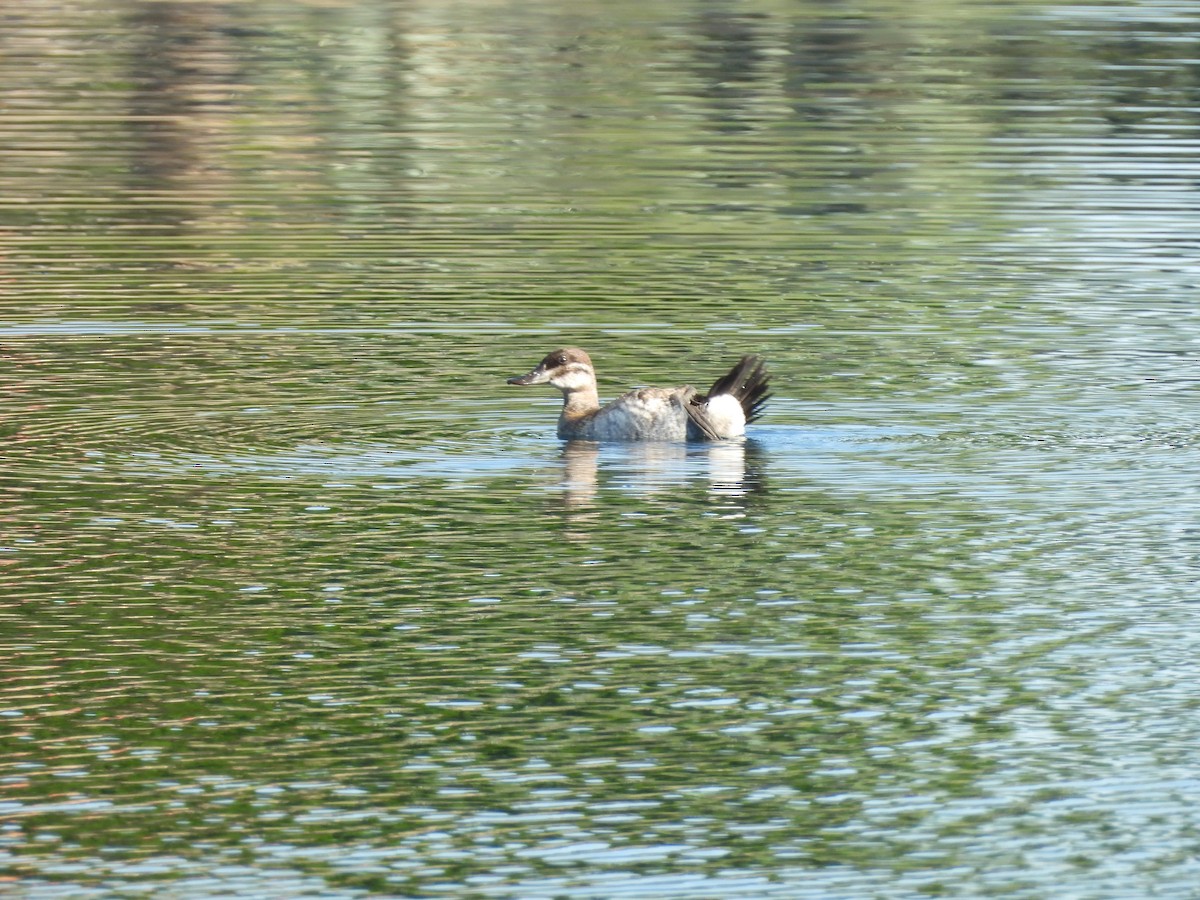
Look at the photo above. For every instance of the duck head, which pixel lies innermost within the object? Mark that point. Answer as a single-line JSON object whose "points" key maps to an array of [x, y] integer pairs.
{"points": [[568, 369]]}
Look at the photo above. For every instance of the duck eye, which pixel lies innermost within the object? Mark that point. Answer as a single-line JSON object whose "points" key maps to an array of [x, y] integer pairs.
{"points": [[560, 361]]}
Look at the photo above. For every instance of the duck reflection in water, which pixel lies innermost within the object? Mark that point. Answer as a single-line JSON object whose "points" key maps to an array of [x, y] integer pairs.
{"points": [[729, 469]]}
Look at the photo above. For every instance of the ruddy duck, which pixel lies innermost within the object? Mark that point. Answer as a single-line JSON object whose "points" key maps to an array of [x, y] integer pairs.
{"points": [[651, 414]]}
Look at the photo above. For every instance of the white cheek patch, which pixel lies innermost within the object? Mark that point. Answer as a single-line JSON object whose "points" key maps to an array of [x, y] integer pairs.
{"points": [[574, 378]]}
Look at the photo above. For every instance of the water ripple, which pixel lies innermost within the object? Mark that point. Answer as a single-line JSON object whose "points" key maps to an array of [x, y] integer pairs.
{"points": [[302, 598]]}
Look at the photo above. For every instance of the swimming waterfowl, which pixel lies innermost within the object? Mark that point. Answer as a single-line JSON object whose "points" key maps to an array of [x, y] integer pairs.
{"points": [[651, 414]]}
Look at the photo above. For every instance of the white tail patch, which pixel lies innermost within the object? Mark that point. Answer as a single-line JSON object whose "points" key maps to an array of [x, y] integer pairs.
{"points": [[726, 414]]}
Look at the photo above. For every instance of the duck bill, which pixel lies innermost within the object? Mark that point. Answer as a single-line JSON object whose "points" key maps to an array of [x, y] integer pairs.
{"points": [[537, 376]]}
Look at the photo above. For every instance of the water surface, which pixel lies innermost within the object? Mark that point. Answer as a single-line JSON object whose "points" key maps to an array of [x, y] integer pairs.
{"points": [[301, 599]]}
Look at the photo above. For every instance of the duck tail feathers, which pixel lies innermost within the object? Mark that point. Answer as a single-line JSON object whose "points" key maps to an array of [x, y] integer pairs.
{"points": [[747, 382]]}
